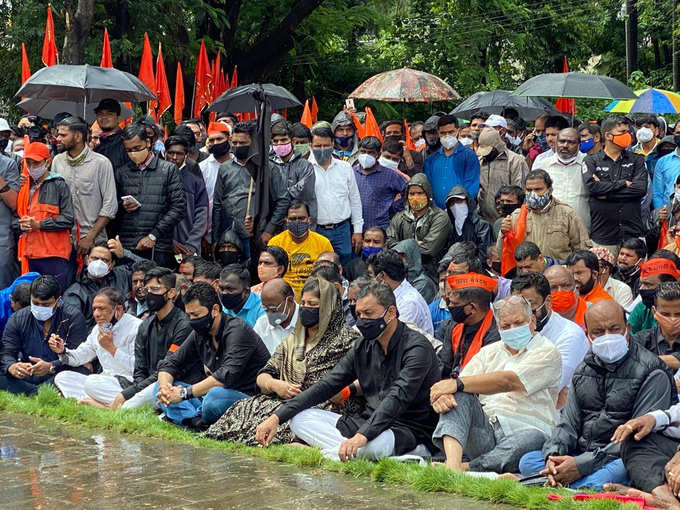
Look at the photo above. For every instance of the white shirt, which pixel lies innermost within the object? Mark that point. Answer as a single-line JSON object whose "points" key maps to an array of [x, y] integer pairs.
{"points": [[123, 363], [272, 336], [543, 155], [568, 186], [662, 421], [210, 168], [619, 291], [337, 194], [412, 307], [538, 366], [570, 340]]}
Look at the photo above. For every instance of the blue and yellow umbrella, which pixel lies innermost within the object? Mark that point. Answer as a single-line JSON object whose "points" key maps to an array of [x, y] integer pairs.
{"points": [[649, 100]]}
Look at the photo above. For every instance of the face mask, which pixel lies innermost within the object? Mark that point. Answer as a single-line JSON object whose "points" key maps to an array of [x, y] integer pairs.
{"points": [[540, 321], [298, 228], [309, 316], [229, 257], [474, 134], [366, 160], [202, 325], [460, 214], [283, 150], [219, 149], [647, 296], [496, 267], [566, 161], [302, 148], [516, 338], [586, 145], [491, 155], [610, 348], [138, 157], [644, 135], [231, 300], [419, 143], [587, 287], [98, 269], [38, 172], [42, 313], [344, 141], [563, 300], [623, 140], [508, 209], [458, 313], [278, 318], [432, 140], [668, 326], [536, 201], [367, 251], [465, 142], [155, 302], [388, 163], [323, 155], [448, 142], [417, 204], [266, 273], [628, 270], [241, 152], [371, 329], [542, 142], [514, 140]]}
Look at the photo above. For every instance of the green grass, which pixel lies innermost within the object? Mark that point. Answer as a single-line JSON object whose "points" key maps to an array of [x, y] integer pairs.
{"points": [[144, 422]]}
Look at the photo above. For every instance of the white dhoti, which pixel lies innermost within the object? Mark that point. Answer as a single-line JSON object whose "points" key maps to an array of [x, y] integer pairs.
{"points": [[102, 388], [145, 397]]}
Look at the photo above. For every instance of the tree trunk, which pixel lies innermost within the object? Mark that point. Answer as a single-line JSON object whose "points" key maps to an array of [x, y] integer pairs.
{"points": [[78, 22], [631, 37]]}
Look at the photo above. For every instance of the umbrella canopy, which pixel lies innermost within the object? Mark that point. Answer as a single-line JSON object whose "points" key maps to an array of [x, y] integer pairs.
{"points": [[649, 101], [247, 98], [496, 101], [405, 85], [574, 85], [84, 84], [48, 109]]}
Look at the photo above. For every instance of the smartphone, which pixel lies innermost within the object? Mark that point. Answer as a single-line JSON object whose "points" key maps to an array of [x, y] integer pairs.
{"points": [[349, 103], [130, 199]]}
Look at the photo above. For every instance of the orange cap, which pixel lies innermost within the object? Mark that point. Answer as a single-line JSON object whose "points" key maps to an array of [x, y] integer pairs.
{"points": [[467, 280], [218, 127], [36, 151]]}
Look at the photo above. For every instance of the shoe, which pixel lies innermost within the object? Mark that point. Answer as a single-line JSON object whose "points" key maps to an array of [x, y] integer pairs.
{"points": [[196, 424]]}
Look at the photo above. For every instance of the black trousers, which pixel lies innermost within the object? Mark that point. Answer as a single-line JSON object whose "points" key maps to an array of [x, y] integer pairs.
{"points": [[645, 460]]}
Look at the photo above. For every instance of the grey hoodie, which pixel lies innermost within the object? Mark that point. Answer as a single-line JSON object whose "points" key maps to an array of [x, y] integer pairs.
{"points": [[415, 274]]}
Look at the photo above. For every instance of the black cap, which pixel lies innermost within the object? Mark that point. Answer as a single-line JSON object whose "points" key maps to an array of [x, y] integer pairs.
{"points": [[108, 104]]}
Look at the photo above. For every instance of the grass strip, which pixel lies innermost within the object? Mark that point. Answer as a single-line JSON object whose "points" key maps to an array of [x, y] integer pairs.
{"points": [[144, 422]]}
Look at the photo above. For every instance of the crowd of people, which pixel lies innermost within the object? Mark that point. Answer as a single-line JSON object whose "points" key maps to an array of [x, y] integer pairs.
{"points": [[499, 298]]}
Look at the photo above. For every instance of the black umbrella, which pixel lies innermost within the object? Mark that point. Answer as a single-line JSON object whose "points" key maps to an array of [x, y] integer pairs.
{"points": [[574, 85], [243, 98], [49, 108], [496, 101], [84, 84]]}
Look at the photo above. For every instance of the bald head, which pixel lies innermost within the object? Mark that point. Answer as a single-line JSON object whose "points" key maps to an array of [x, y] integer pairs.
{"points": [[559, 277], [567, 143], [276, 289], [605, 317]]}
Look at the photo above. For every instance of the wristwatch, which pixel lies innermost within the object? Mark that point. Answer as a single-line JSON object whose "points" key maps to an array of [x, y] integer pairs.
{"points": [[459, 385], [183, 393], [152, 237]]}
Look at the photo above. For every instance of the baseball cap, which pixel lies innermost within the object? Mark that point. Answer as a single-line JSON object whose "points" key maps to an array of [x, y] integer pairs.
{"points": [[496, 121], [108, 104], [36, 151]]}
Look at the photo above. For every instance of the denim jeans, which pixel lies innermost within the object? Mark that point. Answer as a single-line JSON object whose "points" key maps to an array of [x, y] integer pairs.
{"points": [[341, 239], [210, 407], [614, 472]]}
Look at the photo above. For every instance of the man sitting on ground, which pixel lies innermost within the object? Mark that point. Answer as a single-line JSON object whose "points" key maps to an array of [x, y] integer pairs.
{"points": [[136, 304], [503, 403], [529, 259], [563, 295], [236, 296], [585, 267], [281, 313]]}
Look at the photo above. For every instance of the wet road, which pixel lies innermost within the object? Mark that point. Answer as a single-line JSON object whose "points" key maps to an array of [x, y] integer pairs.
{"points": [[45, 466]]}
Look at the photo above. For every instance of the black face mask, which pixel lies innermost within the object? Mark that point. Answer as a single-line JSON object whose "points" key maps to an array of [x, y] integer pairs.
{"points": [[309, 316], [229, 257], [628, 271], [241, 152], [496, 267], [202, 325], [491, 155], [458, 313], [587, 287], [647, 296], [371, 329], [155, 302], [508, 209], [232, 301], [541, 321], [219, 149]]}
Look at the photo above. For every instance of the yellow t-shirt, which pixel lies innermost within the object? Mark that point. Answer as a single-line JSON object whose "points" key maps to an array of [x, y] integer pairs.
{"points": [[301, 256]]}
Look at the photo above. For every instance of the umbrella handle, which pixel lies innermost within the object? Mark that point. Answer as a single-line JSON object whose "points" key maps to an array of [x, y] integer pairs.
{"points": [[250, 194]]}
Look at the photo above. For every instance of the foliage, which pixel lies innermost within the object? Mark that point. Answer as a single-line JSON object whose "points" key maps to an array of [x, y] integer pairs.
{"points": [[48, 405]]}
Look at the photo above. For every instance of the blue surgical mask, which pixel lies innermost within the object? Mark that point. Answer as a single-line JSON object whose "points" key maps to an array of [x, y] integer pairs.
{"points": [[343, 141], [367, 251], [542, 142], [586, 145], [42, 313], [516, 338]]}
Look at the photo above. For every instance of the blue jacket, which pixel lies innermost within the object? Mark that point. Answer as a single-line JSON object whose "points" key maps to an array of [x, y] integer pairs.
{"points": [[666, 172], [461, 167], [5, 306]]}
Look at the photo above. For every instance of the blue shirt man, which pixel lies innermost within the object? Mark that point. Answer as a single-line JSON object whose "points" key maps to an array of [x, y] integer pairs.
{"points": [[451, 164], [236, 297], [666, 172]]}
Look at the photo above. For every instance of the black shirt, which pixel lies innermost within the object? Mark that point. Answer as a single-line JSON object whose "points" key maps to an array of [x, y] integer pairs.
{"points": [[449, 361], [615, 209], [396, 387], [154, 339], [238, 359], [652, 340], [112, 147]]}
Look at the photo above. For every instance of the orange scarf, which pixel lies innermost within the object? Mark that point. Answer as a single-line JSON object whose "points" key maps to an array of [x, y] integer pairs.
{"points": [[512, 239], [663, 233], [476, 344]]}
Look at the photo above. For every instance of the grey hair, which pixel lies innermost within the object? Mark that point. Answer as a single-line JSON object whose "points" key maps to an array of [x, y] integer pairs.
{"points": [[360, 282], [382, 292], [510, 304]]}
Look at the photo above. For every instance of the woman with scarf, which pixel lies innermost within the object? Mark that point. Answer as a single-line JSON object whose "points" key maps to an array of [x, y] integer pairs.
{"points": [[320, 340]]}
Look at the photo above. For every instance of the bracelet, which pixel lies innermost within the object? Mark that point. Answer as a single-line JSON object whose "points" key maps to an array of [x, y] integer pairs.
{"points": [[190, 393], [5, 189]]}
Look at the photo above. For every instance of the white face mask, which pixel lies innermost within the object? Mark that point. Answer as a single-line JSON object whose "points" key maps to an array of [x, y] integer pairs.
{"points": [[465, 142], [514, 140], [42, 313], [366, 160], [566, 161], [460, 213], [388, 163], [644, 135], [98, 269], [419, 143], [449, 142], [610, 348]]}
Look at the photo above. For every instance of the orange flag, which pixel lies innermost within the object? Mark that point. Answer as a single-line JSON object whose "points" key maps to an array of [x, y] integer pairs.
{"points": [[179, 95], [25, 68], [361, 129], [372, 127], [306, 118], [203, 80], [563, 104], [512, 239], [234, 78], [315, 110], [162, 86], [50, 54], [663, 233], [217, 65], [409, 141], [146, 73], [107, 60], [224, 79]]}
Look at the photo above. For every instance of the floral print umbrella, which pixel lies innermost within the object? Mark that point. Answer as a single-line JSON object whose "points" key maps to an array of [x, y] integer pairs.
{"points": [[405, 85]]}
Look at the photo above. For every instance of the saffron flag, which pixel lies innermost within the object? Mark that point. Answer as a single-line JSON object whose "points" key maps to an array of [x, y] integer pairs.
{"points": [[50, 54], [146, 73], [162, 86], [179, 95], [234, 78], [409, 141], [315, 110], [25, 68], [564, 104], [107, 60], [361, 129], [203, 80], [511, 240], [306, 118], [371, 125]]}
